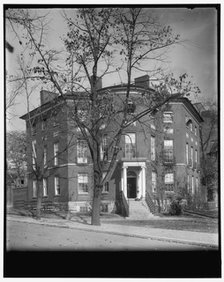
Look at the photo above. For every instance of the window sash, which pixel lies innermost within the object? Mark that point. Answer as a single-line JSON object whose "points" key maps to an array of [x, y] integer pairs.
{"points": [[81, 151], [153, 148], [45, 156], [44, 187], [106, 185], [153, 182], [169, 178], [130, 150], [34, 188], [187, 153], [56, 153], [83, 183], [57, 186], [168, 117]]}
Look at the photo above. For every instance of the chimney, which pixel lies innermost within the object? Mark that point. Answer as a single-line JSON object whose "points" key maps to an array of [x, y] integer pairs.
{"points": [[46, 96], [142, 81]]}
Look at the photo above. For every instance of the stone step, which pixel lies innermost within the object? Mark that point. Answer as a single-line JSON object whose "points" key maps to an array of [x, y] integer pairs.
{"points": [[139, 210]]}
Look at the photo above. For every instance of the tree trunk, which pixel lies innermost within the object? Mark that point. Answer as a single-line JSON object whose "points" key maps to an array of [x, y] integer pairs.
{"points": [[95, 220], [39, 201]]}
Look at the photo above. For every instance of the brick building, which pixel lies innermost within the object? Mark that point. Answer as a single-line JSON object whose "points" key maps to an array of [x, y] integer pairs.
{"points": [[158, 155]]}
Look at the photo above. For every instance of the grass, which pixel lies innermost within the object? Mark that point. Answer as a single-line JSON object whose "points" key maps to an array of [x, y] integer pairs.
{"points": [[207, 225], [188, 223]]}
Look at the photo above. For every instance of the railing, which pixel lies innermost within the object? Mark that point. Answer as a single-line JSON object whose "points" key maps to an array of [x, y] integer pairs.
{"points": [[124, 205], [150, 203]]}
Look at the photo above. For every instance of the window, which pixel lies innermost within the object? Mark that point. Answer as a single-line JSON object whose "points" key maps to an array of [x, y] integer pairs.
{"points": [[192, 154], [196, 156], [169, 181], [34, 188], [104, 149], [44, 187], [189, 123], [153, 149], [131, 107], [153, 181], [81, 152], [196, 185], [168, 150], [192, 184], [43, 124], [188, 183], [196, 130], [55, 153], [152, 123], [168, 117], [130, 150], [33, 129], [55, 121], [56, 186], [82, 115], [106, 185], [168, 130], [45, 156], [187, 153], [34, 153], [82, 183]]}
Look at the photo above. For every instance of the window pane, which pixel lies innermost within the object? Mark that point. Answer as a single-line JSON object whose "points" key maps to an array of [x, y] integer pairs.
{"points": [[34, 188], [55, 153], [82, 151], [153, 182], [82, 183], [153, 149], [167, 117], [168, 178], [44, 187], [130, 145], [57, 186]]}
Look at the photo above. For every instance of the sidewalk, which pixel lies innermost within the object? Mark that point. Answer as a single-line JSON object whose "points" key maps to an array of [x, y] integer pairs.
{"points": [[208, 240]]}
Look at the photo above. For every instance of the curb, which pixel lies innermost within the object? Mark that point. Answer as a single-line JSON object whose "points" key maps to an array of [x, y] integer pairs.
{"points": [[166, 239]]}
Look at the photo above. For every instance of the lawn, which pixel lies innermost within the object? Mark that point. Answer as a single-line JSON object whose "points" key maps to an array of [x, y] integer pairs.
{"points": [[190, 224]]}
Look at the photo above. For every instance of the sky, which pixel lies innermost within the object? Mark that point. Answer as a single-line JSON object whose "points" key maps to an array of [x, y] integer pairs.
{"points": [[196, 55]]}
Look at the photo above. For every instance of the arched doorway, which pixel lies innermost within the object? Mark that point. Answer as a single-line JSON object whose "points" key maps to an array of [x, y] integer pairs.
{"points": [[131, 184]]}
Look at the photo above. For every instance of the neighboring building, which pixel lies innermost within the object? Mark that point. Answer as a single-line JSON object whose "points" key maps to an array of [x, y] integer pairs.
{"points": [[158, 157]]}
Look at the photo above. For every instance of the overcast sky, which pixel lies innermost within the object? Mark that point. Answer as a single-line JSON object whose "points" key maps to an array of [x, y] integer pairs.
{"points": [[197, 55]]}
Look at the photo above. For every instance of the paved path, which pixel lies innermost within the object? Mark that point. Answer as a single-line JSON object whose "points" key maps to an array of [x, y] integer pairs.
{"points": [[209, 240]]}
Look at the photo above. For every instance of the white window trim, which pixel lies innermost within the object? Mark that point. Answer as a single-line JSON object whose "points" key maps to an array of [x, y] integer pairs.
{"points": [[34, 192], [56, 185], [153, 148], [56, 150], [104, 186], [83, 159], [45, 192], [170, 119], [86, 175]]}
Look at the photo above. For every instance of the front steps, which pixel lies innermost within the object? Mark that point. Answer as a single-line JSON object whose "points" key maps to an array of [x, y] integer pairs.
{"points": [[139, 210]]}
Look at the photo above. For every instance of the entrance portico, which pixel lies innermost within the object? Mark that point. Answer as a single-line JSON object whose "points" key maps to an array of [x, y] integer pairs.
{"points": [[133, 179]]}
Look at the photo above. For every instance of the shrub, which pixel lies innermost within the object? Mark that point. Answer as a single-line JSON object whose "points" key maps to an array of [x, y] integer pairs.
{"points": [[175, 207]]}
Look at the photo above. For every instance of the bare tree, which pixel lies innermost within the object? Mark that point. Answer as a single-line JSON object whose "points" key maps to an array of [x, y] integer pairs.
{"points": [[97, 40], [209, 149]]}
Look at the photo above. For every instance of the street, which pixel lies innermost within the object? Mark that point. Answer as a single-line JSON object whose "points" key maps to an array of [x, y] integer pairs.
{"points": [[29, 236]]}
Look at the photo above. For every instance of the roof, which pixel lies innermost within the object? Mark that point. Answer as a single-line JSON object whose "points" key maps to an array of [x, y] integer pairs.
{"points": [[190, 106], [59, 99]]}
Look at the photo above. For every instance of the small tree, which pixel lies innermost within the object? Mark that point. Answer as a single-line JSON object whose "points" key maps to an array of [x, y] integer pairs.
{"points": [[16, 157]]}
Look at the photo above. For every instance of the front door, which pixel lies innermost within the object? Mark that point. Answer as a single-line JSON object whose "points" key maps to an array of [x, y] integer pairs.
{"points": [[131, 187]]}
